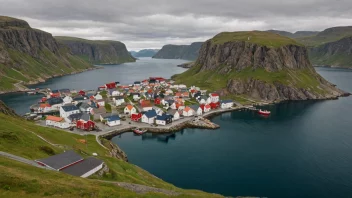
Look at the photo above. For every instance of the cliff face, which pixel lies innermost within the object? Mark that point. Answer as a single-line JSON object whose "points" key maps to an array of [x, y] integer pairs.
{"points": [[29, 55], [186, 52], [338, 53], [98, 52], [258, 71]]}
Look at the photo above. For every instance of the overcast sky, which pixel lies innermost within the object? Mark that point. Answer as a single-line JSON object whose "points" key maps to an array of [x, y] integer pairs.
{"points": [[153, 23]]}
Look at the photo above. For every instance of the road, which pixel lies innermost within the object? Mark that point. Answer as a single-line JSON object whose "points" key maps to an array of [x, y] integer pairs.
{"points": [[21, 159]]}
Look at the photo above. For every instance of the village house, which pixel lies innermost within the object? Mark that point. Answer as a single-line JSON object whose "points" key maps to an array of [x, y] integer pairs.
{"points": [[84, 122], [100, 102], [203, 99], [97, 112], [56, 122], [169, 92], [67, 110], [158, 110], [157, 101], [187, 112], [174, 113], [185, 94], [136, 117], [67, 100], [136, 96], [149, 117], [226, 104], [118, 100], [98, 96], [214, 97], [85, 107], [129, 109], [163, 119], [171, 104], [110, 119], [44, 108], [182, 86], [205, 107], [146, 105], [78, 99], [111, 85], [82, 93], [137, 83], [65, 92], [55, 94], [197, 110], [55, 103]]}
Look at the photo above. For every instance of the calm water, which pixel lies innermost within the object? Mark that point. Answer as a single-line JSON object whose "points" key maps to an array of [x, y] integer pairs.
{"points": [[124, 73], [304, 149]]}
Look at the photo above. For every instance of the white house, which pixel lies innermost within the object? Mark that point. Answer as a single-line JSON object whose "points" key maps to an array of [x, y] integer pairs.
{"points": [[206, 108], [100, 102], [149, 117], [163, 119], [67, 100], [119, 100], [197, 110], [158, 110], [98, 96], [115, 93], [44, 108], [174, 113], [129, 109], [136, 96], [67, 110], [187, 112], [226, 104], [204, 100], [111, 119], [56, 122], [182, 86], [214, 97], [85, 107]]}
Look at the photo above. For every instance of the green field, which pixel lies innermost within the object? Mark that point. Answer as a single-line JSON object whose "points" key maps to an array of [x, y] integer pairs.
{"points": [[261, 38]]}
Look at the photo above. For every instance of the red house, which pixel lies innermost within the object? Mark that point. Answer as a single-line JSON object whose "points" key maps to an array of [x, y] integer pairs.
{"points": [[85, 125], [110, 85], [157, 101], [214, 105], [82, 93], [136, 117]]}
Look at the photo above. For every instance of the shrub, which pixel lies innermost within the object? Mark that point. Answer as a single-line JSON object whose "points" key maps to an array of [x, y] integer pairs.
{"points": [[47, 150]]}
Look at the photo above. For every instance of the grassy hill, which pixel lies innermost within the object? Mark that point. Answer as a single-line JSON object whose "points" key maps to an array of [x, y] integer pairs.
{"points": [[20, 137], [268, 39]]}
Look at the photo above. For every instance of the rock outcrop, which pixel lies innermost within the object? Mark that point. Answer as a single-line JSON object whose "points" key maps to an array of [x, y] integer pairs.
{"points": [[98, 52], [186, 52], [7, 111], [273, 69], [336, 54], [29, 55]]}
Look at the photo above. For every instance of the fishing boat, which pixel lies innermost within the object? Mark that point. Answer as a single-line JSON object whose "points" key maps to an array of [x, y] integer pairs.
{"points": [[264, 112], [139, 131]]}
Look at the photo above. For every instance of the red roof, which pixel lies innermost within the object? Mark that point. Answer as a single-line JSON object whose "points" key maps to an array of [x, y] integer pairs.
{"points": [[110, 85], [214, 94], [54, 118], [145, 103], [44, 105], [187, 109], [129, 107]]}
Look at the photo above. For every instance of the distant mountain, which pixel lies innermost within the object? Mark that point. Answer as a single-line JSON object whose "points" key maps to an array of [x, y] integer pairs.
{"points": [[144, 53], [337, 53], [186, 52], [28, 56], [326, 36], [97, 51], [294, 35]]}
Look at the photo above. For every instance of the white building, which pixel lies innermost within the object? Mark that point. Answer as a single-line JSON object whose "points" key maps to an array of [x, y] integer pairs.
{"points": [[197, 110], [149, 117], [129, 109], [100, 102], [111, 119], [214, 97], [226, 104], [68, 100], [115, 93], [119, 100], [67, 110], [187, 112], [174, 113], [98, 96], [56, 122]]}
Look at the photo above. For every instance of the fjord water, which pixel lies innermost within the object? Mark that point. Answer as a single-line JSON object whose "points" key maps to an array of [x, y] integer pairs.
{"points": [[123, 73], [304, 149]]}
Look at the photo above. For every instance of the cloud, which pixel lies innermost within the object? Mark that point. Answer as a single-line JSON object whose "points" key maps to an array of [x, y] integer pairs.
{"points": [[153, 23]]}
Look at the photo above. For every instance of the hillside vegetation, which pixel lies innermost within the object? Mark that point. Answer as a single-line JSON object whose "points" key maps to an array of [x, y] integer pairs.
{"points": [[186, 52], [29, 55]]}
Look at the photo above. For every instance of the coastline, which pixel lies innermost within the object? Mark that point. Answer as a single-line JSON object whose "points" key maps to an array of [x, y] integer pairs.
{"points": [[333, 67]]}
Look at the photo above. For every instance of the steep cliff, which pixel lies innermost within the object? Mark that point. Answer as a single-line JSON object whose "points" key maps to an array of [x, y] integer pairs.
{"points": [[338, 53], [258, 65], [29, 55], [97, 52], [186, 52]]}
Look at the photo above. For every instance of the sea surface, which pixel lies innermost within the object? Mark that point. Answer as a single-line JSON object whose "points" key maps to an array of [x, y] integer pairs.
{"points": [[304, 149]]}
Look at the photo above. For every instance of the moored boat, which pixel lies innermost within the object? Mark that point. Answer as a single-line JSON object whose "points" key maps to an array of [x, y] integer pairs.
{"points": [[264, 112], [139, 131]]}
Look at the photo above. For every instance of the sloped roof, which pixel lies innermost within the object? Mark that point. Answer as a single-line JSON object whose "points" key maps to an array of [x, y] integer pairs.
{"points": [[171, 111], [110, 116], [85, 117], [54, 118], [83, 167], [187, 109], [150, 113], [61, 160], [163, 117], [226, 101], [54, 101], [129, 107], [70, 107], [194, 107]]}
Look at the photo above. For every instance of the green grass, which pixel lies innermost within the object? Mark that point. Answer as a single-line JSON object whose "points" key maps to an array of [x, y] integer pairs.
{"points": [[341, 59], [108, 107], [261, 38], [6, 83]]}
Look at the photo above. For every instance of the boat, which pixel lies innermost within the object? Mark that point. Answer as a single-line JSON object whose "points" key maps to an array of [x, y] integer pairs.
{"points": [[139, 131], [264, 112]]}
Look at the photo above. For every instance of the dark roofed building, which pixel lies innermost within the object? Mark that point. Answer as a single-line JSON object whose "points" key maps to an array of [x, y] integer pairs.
{"points": [[60, 161], [84, 168], [70, 107], [54, 101]]}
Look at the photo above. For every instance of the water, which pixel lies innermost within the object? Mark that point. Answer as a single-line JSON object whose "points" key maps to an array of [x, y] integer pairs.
{"points": [[124, 73], [302, 150]]}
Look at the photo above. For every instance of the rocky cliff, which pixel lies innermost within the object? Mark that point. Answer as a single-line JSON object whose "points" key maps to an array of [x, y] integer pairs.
{"points": [[336, 54], [144, 53], [29, 55], [259, 65], [98, 52], [186, 52]]}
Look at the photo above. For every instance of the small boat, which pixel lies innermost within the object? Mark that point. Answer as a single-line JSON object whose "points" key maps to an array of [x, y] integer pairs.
{"points": [[139, 131], [31, 93], [264, 112]]}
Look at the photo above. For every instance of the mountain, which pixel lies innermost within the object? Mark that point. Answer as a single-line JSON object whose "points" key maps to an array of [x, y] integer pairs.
{"points": [[297, 34], [144, 53], [326, 36], [30, 56], [186, 52], [258, 65], [337, 53], [97, 51]]}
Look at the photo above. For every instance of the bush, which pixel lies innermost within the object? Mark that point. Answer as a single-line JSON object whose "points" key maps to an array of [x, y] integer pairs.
{"points": [[47, 150]]}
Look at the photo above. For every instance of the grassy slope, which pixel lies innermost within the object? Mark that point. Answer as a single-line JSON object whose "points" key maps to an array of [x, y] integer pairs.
{"points": [[16, 138], [262, 38], [341, 60], [326, 36]]}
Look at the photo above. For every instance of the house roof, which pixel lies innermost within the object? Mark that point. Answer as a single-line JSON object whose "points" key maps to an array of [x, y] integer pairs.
{"points": [[43, 105], [214, 94], [85, 117], [226, 101], [54, 101], [77, 98], [146, 103], [112, 116], [54, 118], [61, 160], [171, 111], [84, 105], [99, 110], [129, 107], [163, 117], [194, 107], [55, 91], [150, 113], [170, 102], [187, 109], [70, 107], [75, 116], [83, 167]]}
